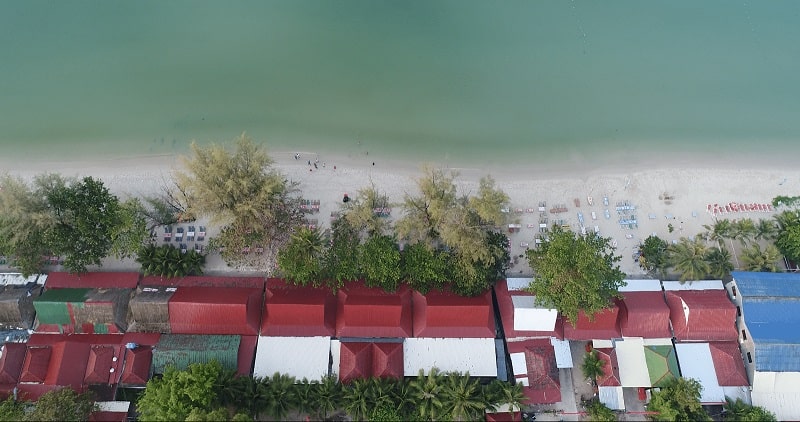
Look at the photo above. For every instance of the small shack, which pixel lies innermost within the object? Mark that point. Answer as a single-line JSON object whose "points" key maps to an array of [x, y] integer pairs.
{"points": [[149, 310]]}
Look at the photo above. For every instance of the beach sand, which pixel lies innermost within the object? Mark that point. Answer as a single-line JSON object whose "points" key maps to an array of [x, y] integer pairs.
{"points": [[676, 195]]}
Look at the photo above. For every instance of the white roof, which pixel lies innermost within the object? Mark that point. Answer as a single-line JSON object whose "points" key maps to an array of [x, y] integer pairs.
{"points": [[632, 363], [776, 382], [16, 279], [602, 344], [785, 406], [300, 357], [611, 397], [528, 316], [474, 355], [519, 364], [696, 362], [563, 353], [641, 286], [113, 406], [336, 356], [694, 285], [658, 342], [516, 284]]}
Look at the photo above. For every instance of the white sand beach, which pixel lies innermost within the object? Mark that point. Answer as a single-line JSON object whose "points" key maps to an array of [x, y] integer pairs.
{"points": [[661, 196]]}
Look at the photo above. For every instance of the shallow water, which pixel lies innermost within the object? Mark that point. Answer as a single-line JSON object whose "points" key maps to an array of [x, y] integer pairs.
{"points": [[456, 81]]}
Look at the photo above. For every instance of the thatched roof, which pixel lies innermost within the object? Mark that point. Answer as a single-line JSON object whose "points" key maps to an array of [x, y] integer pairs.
{"points": [[149, 309]]}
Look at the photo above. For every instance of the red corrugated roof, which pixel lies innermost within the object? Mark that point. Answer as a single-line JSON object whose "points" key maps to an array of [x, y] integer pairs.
{"points": [[110, 280], [101, 361], [604, 326], [445, 314], [34, 369], [205, 281], [709, 315], [503, 417], [644, 314], [136, 370], [68, 364], [247, 355], [610, 377], [366, 312], [11, 362], [108, 416], [359, 360], [213, 310], [299, 312], [728, 363], [506, 306], [543, 381]]}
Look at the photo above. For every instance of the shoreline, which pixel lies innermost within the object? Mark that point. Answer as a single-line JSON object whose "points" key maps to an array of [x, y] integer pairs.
{"points": [[690, 187]]}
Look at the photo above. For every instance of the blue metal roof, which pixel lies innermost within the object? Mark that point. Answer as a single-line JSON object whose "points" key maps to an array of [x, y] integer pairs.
{"points": [[772, 320], [767, 284], [777, 357]]}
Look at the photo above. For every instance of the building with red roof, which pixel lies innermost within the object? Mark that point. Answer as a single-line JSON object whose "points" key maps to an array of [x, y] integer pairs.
{"points": [[702, 315], [11, 363], [445, 314], [359, 360], [290, 311], [728, 363], [534, 365], [610, 377], [604, 325], [371, 312], [205, 281], [644, 314], [138, 360], [103, 280], [214, 310], [522, 318]]}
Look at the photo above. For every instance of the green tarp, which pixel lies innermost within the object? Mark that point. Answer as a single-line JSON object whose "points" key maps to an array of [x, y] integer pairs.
{"points": [[181, 350]]}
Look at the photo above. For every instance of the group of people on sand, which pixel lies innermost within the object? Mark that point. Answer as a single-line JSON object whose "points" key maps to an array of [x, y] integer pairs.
{"points": [[315, 163]]}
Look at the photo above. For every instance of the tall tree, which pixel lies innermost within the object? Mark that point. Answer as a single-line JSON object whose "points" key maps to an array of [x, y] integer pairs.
{"points": [[281, 396], [500, 394], [63, 404], [356, 398], [688, 257], [653, 255], [766, 230], [719, 231], [361, 212], [177, 393], [425, 214], [463, 397], [241, 192], [738, 410], [424, 268], [427, 391], [719, 262], [380, 262], [788, 242], [574, 273], [301, 259], [766, 260], [678, 400], [744, 230], [131, 233], [592, 366], [340, 263], [25, 221], [599, 412]]}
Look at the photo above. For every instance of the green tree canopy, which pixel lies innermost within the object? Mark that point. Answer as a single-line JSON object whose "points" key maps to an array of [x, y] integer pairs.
{"points": [[788, 242], [380, 262], [424, 268], [719, 262], [63, 404], [175, 395], [678, 400], [341, 263], [756, 259], [599, 412], [574, 273], [593, 367], [301, 259], [241, 191], [25, 224], [688, 257], [360, 212], [738, 410], [653, 255]]}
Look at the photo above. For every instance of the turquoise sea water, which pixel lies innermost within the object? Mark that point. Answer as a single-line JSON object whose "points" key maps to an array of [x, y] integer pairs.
{"points": [[464, 81]]}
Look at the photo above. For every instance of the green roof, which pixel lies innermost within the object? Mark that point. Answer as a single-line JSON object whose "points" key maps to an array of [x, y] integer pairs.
{"points": [[52, 306], [63, 295], [181, 350], [662, 364]]}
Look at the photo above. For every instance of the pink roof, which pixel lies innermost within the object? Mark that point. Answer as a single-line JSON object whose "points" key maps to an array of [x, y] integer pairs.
{"points": [[610, 377], [604, 326], [506, 306], [444, 314], [710, 315], [368, 312], [247, 355], [11, 362], [644, 314], [137, 366], [728, 363], [106, 280], [214, 310], [205, 281], [293, 312], [543, 381], [359, 360]]}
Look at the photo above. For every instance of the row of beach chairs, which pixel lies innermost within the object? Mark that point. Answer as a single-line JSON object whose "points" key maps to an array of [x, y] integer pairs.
{"points": [[191, 234], [310, 205]]}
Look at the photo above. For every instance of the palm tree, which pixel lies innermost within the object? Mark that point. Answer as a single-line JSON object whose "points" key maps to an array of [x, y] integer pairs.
{"points": [[743, 230], [764, 261], [301, 258], [380, 391], [426, 391], [719, 231], [592, 366], [719, 262], [688, 258], [403, 398], [499, 393], [328, 396], [357, 398], [766, 230], [281, 395], [787, 219], [464, 400]]}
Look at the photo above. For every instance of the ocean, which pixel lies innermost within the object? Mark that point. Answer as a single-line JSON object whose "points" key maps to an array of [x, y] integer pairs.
{"points": [[459, 81]]}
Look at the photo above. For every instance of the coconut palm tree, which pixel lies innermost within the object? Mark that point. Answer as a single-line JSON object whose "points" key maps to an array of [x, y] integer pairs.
{"points": [[380, 392], [688, 258], [757, 260], [357, 398], [281, 396], [301, 258], [719, 231], [744, 230], [719, 262], [593, 366], [427, 391], [463, 397], [499, 394], [403, 398], [766, 230], [787, 219], [327, 397]]}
